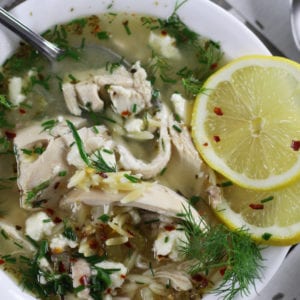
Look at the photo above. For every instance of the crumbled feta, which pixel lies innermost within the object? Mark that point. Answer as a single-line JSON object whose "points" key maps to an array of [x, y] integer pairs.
{"points": [[15, 94], [60, 243], [134, 125], [182, 107], [44, 264], [164, 44], [168, 242], [38, 225], [117, 277]]}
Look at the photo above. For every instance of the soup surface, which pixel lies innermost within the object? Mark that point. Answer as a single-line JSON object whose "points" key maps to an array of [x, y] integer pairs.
{"points": [[103, 193]]}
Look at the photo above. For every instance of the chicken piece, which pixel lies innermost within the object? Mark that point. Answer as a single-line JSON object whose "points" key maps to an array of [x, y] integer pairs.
{"points": [[43, 170], [93, 139], [120, 77], [185, 172], [131, 94], [71, 98], [149, 170], [157, 198], [87, 93]]}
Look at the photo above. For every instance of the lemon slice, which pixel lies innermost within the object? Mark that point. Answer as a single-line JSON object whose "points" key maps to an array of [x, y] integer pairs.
{"points": [[272, 217], [247, 125]]}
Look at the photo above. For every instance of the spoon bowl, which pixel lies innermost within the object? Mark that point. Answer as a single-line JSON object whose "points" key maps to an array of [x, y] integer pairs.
{"points": [[48, 49], [295, 21]]}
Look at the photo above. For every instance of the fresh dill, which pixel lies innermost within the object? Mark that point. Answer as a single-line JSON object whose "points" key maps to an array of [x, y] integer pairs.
{"points": [[69, 232], [6, 146], [5, 102], [49, 125], [96, 162], [126, 26], [102, 35], [36, 191], [84, 156], [101, 165], [217, 247], [59, 36], [207, 52], [132, 179]]}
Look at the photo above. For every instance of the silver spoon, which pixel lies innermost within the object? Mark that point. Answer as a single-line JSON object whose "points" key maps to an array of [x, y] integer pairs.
{"points": [[46, 48], [295, 21]]}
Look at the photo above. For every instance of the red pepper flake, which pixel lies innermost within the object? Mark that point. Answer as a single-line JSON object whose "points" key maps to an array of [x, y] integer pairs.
{"points": [[130, 232], [122, 276], [128, 245], [56, 185], [218, 111], [50, 211], [205, 144], [62, 268], [125, 113], [201, 279], [2, 261], [96, 29], [84, 280], [93, 244], [160, 257], [73, 259], [102, 174], [108, 291], [10, 135], [213, 66], [222, 271], [22, 111], [216, 138], [57, 220], [295, 145], [256, 206], [170, 227], [164, 32]]}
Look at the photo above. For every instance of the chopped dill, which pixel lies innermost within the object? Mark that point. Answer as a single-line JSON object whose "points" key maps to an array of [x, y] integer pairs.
{"points": [[126, 26], [218, 247], [132, 179], [103, 35], [5, 102], [101, 165], [36, 190], [49, 125], [69, 232]]}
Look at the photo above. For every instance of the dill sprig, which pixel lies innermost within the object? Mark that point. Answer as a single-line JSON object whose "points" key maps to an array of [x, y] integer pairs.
{"points": [[101, 165], [208, 52], [217, 247], [97, 162]]}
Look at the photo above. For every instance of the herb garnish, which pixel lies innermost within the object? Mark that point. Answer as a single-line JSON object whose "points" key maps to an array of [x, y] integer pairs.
{"points": [[104, 218], [5, 102], [126, 26], [49, 125], [36, 190], [97, 162], [68, 232], [102, 35], [218, 247]]}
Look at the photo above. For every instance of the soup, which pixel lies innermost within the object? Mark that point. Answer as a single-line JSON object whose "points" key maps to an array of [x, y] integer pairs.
{"points": [[98, 153]]}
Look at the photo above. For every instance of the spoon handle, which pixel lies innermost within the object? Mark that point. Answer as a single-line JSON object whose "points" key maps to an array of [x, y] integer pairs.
{"points": [[50, 50]]}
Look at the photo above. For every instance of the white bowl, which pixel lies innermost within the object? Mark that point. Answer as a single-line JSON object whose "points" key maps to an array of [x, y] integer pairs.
{"points": [[202, 16]]}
